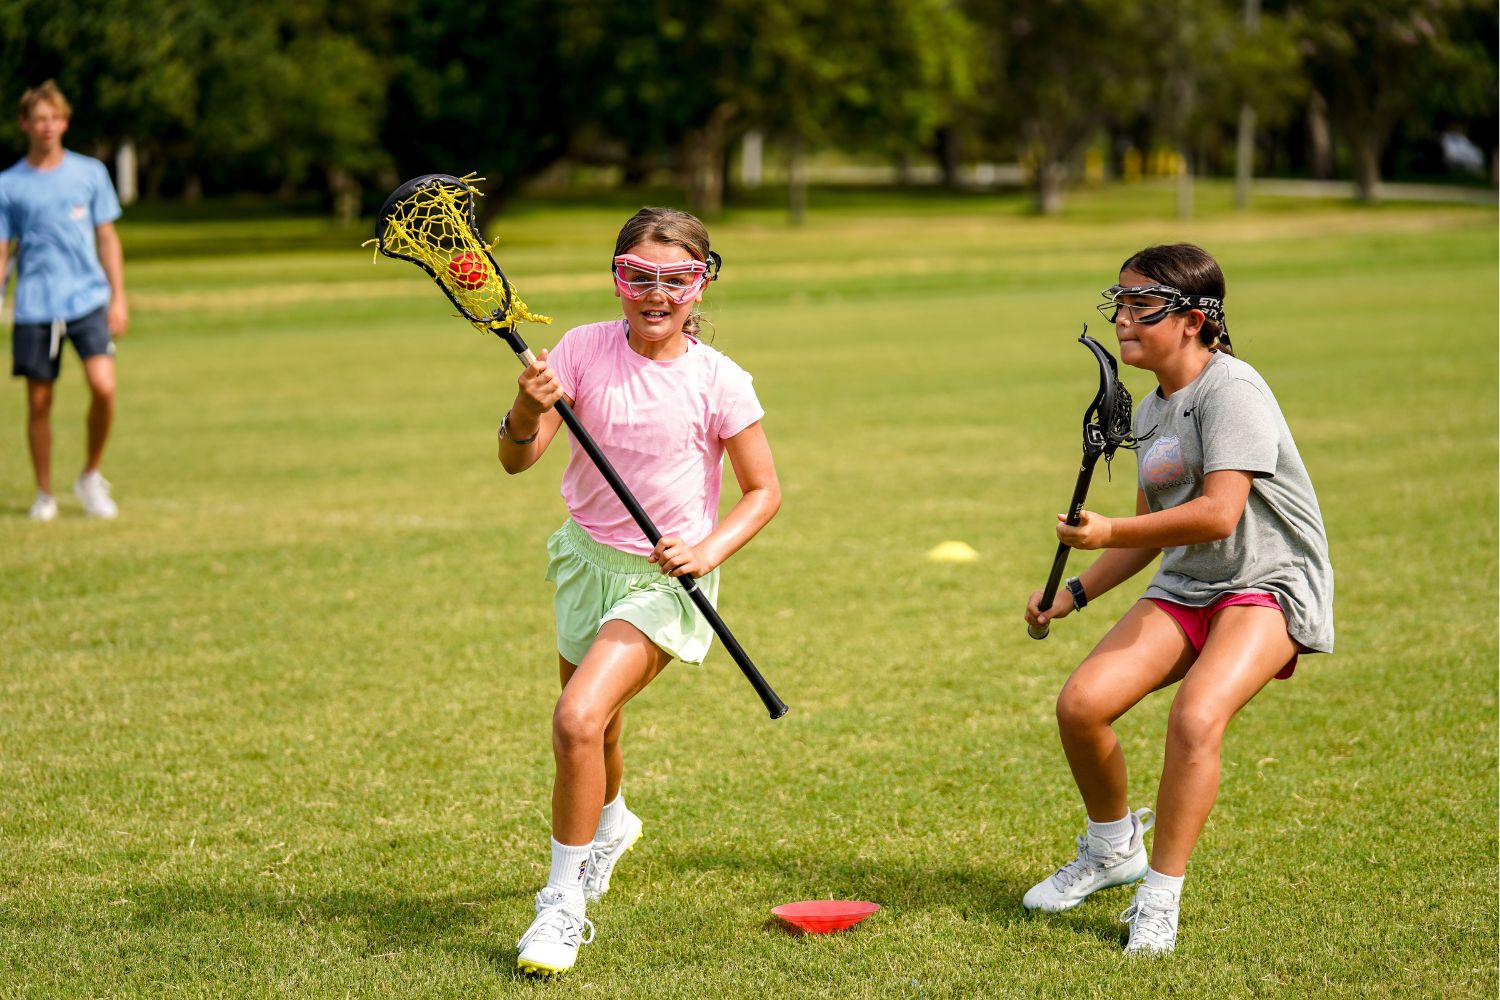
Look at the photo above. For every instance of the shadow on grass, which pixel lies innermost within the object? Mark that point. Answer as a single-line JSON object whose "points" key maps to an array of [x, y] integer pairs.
{"points": [[388, 923], [976, 893]]}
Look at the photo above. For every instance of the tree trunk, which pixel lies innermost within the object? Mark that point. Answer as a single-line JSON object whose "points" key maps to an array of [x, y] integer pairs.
{"points": [[1051, 176], [796, 180], [154, 162], [1320, 143], [192, 188], [752, 158], [126, 173], [705, 162], [950, 153], [1366, 165], [1244, 147], [1185, 182], [903, 169], [345, 191], [1244, 158]]}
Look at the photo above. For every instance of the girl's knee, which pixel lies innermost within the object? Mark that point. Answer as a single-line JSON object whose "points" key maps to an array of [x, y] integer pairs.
{"points": [[575, 724], [1077, 708], [1196, 726]]}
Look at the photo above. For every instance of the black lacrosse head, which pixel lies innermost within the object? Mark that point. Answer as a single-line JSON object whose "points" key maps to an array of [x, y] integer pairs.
{"points": [[1107, 421], [430, 221]]}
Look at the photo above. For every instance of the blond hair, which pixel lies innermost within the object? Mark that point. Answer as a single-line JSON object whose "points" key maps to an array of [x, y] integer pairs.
{"points": [[674, 228], [45, 91]]}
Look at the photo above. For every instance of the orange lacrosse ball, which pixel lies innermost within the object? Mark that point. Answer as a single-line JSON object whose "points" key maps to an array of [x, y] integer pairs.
{"points": [[468, 270]]}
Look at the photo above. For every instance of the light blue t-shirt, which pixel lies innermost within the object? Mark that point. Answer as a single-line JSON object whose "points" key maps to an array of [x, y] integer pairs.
{"points": [[53, 213]]}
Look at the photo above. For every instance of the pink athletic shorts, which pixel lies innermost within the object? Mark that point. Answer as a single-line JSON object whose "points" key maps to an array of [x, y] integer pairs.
{"points": [[1194, 621]]}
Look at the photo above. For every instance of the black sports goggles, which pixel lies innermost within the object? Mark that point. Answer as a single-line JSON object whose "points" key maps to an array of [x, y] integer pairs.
{"points": [[1150, 304]]}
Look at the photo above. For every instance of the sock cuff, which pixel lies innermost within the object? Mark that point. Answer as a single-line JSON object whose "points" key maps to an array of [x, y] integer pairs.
{"points": [[570, 863], [1171, 883], [1115, 830], [611, 818]]}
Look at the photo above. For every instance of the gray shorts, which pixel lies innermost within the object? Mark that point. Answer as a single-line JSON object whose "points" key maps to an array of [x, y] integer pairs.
{"points": [[36, 348]]}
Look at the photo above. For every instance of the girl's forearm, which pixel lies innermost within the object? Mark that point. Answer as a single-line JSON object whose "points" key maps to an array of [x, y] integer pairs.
{"points": [[516, 457], [755, 508], [1202, 519]]}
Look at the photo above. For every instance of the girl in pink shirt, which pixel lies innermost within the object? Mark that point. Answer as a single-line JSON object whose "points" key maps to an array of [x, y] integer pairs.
{"points": [[665, 408]]}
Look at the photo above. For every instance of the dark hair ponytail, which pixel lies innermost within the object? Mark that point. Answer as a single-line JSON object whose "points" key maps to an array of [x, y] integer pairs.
{"points": [[1192, 270]]}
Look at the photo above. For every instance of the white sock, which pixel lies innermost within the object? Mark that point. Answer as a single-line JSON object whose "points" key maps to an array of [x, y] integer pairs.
{"points": [[1171, 883], [568, 867], [612, 819], [1116, 832]]}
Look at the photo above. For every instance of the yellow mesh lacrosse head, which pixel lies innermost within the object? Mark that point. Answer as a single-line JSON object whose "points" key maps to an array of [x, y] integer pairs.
{"points": [[430, 221]]}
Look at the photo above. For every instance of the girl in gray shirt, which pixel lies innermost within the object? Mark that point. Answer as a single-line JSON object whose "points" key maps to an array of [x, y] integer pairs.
{"points": [[1244, 586]]}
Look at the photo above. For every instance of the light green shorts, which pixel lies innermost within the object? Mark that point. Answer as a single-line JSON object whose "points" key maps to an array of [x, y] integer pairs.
{"points": [[597, 583]]}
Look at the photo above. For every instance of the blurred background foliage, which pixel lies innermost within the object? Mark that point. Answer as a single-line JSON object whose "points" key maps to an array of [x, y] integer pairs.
{"points": [[338, 101]]}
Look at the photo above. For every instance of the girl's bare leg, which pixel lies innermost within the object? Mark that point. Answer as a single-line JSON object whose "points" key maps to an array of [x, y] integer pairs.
{"points": [[1247, 646], [586, 725], [1145, 651]]}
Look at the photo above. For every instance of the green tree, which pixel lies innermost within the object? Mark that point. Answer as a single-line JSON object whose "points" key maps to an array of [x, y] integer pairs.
{"points": [[129, 71], [271, 95], [662, 79], [1067, 67], [1378, 62], [1209, 67], [678, 82], [884, 75], [479, 86]]}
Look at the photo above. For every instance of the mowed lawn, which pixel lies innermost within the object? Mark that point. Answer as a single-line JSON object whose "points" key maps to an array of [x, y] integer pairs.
{"points": [[282, 729]]}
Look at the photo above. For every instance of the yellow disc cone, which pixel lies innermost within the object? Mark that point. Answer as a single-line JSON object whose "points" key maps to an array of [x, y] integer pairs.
{"points": [[952, 552]]}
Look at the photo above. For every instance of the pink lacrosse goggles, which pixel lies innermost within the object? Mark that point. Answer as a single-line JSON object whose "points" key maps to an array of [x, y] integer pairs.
{"points": [[636, 277]]}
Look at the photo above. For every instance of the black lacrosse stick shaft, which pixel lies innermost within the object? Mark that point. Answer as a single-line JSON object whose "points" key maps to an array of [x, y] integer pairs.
{"points": [[1075, 509], [772, 701], [1105, 428]]}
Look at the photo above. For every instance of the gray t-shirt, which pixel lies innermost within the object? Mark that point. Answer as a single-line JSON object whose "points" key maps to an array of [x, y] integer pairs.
{"points": [[1227, 418]]}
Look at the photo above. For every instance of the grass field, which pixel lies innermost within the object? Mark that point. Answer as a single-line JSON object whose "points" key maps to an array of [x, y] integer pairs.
{"points": [[282, 729]]}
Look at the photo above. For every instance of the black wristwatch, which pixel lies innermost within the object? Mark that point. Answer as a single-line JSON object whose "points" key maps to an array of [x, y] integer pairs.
{"points": [[505, 434], [1075, 587]]}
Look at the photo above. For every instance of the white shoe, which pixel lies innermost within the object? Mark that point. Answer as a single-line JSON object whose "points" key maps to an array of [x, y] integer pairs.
{"points": [[43, 508], [1152, 917], [604, 854], [1096, 867], [550, 945], [92, 491]]}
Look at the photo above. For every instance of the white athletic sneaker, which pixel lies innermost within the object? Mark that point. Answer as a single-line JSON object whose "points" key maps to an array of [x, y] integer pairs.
{"points": [[43, 508], [550, 945], [1096, 867], [1152, 917], [92, 490], [604, 854]]}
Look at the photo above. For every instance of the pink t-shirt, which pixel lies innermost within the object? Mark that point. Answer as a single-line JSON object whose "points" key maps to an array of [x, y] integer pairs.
{"points": [[661, 424]]}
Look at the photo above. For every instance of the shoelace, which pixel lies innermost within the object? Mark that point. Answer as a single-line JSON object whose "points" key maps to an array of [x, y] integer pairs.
{"points": [[1150, 926], [560, 924], [600, 863], [1086, 863], [1078, 868]]}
